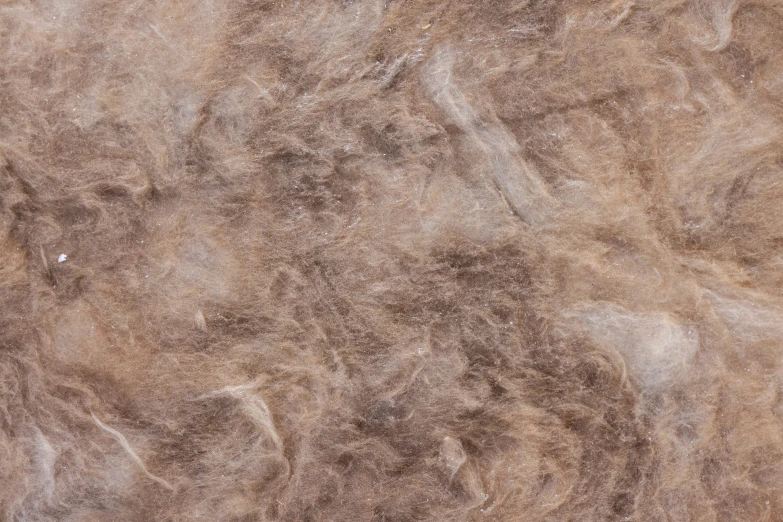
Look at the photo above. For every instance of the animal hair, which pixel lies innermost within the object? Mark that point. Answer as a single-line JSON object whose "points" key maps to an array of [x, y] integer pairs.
{"points": [[391, 261]]}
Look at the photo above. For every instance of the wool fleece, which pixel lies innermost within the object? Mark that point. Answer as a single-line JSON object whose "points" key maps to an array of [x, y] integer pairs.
{"points": [[391, 261]]}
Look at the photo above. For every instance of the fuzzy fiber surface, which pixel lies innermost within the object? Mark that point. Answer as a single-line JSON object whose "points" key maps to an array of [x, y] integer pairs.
{"points": [[413, 260]]}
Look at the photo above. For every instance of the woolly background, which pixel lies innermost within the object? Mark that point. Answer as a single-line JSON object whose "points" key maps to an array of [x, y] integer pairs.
{"points": [[391, 261]]}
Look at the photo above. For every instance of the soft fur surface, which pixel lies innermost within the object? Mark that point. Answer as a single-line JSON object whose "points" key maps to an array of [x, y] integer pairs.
{"points": [[391, 261]]}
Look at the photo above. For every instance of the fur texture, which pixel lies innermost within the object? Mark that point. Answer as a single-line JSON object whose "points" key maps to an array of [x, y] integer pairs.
{"points": [[414, 260]]}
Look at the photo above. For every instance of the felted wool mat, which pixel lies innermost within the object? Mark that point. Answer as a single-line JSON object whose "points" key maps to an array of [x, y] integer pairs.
{"points": [[391, 261]]}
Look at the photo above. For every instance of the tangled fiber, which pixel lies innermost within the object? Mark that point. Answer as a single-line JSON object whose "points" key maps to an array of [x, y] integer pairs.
{"points": [[413, 260]]}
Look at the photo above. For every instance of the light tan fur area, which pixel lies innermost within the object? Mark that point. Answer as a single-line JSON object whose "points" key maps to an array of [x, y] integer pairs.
{"points": [[391, 261]]}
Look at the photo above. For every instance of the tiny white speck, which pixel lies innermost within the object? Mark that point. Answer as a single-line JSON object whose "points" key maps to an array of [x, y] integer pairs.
{"points": [[62, 258]]}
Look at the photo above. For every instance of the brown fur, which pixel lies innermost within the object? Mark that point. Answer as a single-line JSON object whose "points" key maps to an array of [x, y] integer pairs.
{"points": [[391, 261]]}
